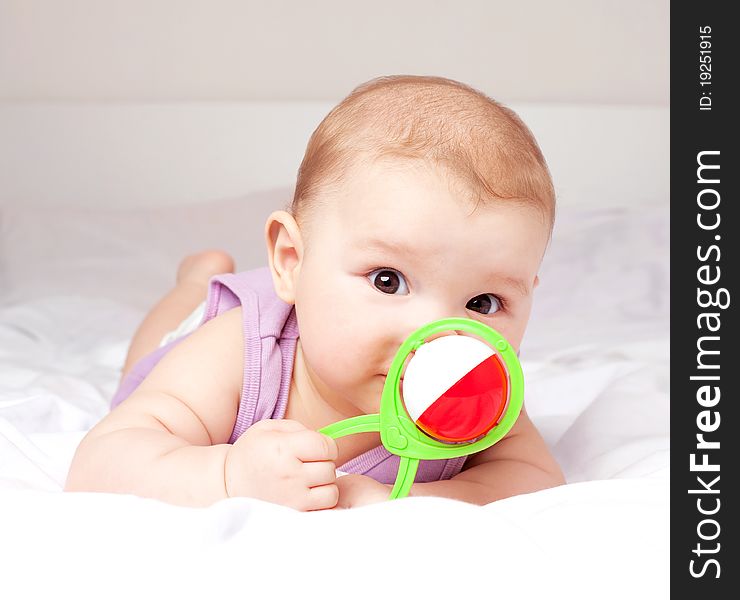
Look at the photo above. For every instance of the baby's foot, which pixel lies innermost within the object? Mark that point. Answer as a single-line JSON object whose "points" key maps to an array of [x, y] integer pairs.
{"points": [[200, 267]]}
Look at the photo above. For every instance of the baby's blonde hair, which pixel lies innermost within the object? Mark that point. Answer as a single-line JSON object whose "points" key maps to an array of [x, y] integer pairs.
{"points": [[477, 140]]}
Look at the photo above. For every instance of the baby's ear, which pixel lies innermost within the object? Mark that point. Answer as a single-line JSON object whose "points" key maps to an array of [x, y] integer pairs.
{"points": [[284, 253]]}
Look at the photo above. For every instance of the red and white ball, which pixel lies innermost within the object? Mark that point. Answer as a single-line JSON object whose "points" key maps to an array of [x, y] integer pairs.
{"points": [[455, 388]]}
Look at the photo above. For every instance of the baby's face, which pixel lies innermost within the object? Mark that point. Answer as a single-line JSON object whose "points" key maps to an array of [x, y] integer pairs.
{"points": [[398, 248]]}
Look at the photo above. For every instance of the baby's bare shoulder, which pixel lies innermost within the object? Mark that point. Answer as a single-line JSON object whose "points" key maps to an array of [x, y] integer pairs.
{"points": [[194, 391]]}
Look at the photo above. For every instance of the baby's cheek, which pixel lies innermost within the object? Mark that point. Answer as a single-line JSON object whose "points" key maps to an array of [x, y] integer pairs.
{"points": [[514, 333], [343, 339], [327, 338]]}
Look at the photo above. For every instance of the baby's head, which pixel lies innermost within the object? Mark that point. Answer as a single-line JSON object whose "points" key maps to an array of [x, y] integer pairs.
{"points": [[418, 198]]}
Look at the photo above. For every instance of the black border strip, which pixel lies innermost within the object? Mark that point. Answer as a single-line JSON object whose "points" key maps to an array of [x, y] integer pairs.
{"points": [[704, 262]]}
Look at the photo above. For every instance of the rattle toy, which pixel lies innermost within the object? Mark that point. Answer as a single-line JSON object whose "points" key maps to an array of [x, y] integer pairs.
{"points": [[459, 394]]}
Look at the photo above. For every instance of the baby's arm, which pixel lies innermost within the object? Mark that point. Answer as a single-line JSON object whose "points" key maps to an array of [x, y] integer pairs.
{"points": [[169, 439], [518, 464]]}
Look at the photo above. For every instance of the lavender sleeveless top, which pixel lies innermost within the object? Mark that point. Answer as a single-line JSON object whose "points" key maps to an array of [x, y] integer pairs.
{"points": [[270, 332]]}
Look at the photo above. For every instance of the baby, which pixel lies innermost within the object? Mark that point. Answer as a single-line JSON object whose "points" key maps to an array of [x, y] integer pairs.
{"points": [[418, 198]]}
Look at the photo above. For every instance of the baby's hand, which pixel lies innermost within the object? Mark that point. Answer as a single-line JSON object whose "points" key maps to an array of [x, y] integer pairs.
{"points": [[282, 461], [359, 490]]}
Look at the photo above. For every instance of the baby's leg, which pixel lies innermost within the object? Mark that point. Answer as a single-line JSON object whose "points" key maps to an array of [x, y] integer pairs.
{"points": [[190, 290]]}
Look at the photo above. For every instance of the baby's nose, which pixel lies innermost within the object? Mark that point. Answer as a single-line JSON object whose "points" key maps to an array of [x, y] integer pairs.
{"points": [[441, 334]]}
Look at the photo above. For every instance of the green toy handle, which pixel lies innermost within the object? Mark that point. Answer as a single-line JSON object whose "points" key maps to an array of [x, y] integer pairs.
{"points": [[405, 478], [362, 424]]}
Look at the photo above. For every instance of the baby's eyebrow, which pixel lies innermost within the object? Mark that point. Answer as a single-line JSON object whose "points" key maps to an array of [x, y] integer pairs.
{"points": [[381, 244], [512, 282]]}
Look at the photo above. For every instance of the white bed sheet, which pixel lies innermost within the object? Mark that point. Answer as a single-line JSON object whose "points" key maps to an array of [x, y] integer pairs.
{"points": [[75, 283]]}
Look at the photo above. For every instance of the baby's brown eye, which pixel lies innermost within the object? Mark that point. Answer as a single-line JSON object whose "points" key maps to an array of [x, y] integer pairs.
{"points": [[486, 304], [389, 281]]}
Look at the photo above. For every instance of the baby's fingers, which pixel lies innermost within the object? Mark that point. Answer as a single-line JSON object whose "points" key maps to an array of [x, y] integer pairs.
{"points": [[318, 473], [322, 497], [310, 446]]}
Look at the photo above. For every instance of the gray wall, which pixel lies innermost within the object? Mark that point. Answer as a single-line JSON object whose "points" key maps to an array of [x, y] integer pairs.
{"points": [[594, 51]]}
